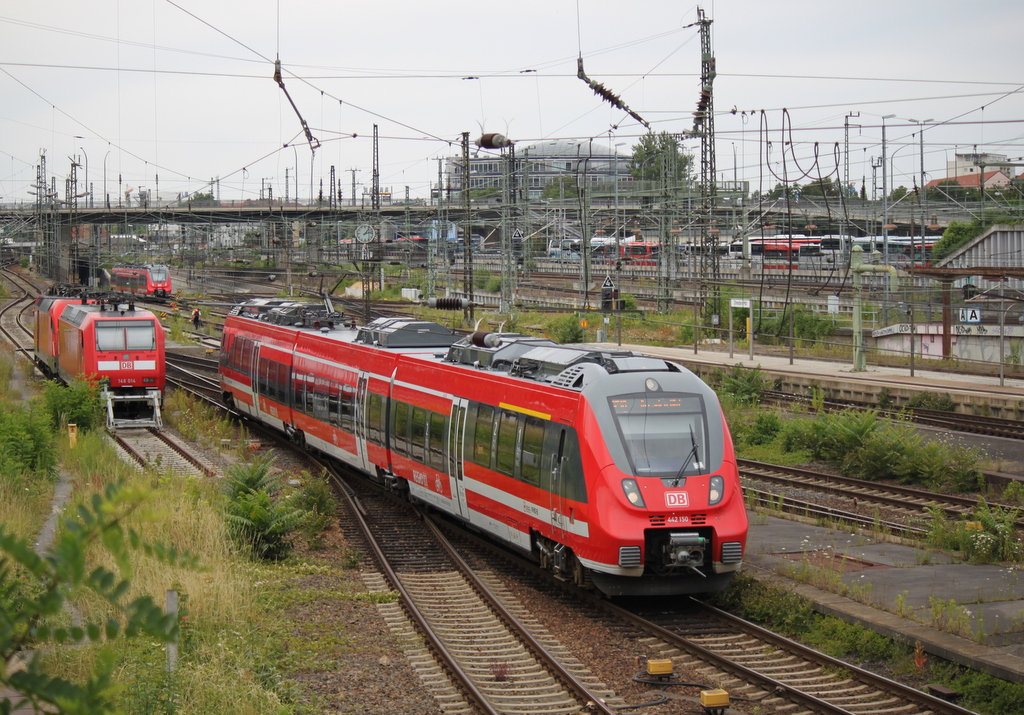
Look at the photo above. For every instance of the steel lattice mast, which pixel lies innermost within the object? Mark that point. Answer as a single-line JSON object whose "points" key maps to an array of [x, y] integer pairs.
{"points": [[704, 126]]}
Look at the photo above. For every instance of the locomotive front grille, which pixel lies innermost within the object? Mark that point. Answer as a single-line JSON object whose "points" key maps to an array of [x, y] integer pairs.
{"points": [[732, 552], [629, 556], [662, 519]]}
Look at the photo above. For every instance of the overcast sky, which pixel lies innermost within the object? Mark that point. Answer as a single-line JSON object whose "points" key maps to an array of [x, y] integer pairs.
{"points": [[183, 91]]}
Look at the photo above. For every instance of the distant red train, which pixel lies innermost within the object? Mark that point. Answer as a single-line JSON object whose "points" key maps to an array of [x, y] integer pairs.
{"points": [[611, 468], [92, 337], [151, 280]]}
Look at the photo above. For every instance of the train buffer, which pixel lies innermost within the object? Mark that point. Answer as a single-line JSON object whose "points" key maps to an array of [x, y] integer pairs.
{"points": [[124, 411]]}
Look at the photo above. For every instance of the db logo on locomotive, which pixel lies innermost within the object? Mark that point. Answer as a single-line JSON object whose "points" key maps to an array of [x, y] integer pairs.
{"points": [[676, 499]]}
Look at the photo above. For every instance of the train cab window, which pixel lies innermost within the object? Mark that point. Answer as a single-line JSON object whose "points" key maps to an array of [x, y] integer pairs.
{"points": [[533, 448], [508, 431], [158, 274], [125, 335], [436, 431], [483, 431], [418, 439], [400, 429], [375, 418], [664, 433]]}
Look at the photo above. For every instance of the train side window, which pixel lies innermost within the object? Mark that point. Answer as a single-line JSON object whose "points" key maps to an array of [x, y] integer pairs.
{"points": [[482, 433], [533, 448], [573, 482], [400, 429], [334, 392], [320, 389], [419, 434], [437, 428], [225, 348], [508, 431], [298, 390], [375, 417], [348, 400]]}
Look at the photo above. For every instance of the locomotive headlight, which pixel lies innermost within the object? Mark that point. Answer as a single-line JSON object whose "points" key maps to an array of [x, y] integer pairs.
{"points": [[716, 490], [632, 490]]}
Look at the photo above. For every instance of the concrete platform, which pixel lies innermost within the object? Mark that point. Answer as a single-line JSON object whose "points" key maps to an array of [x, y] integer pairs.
{"points": [[899, 591]]}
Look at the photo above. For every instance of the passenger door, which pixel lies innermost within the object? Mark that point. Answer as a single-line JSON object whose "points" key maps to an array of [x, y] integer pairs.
{"points": [[360, 423], [557, 484], [456, 447]]}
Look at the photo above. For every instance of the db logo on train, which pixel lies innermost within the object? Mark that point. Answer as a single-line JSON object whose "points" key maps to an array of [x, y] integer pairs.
{"points": [[127, 365], [676, 499]]}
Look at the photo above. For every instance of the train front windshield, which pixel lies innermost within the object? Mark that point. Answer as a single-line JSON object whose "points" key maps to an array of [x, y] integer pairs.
{"points": [[159, 274], [664, 434], [126, 335]]}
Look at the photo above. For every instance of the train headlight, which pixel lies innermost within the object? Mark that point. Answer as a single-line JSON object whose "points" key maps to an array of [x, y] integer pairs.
{"points": [[632, 490], [716, 490]]}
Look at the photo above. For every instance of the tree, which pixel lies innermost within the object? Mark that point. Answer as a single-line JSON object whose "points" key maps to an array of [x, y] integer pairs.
{"points": [[657, 155], [34, 589], [822, 187], [564, 187], [898, 193], [955, 235]]}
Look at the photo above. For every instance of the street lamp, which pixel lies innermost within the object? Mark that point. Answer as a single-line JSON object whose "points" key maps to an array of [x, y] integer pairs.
{"points": [[88, 190], [106, 196]]}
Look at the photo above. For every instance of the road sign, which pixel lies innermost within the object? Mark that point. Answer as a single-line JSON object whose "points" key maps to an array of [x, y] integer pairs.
{"points": [[608, 282], [970, 315]]}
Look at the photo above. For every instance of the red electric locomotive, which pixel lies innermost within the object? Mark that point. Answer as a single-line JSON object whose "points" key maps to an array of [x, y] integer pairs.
{"points": [[151, 280], [90, 337], [610, 467]]}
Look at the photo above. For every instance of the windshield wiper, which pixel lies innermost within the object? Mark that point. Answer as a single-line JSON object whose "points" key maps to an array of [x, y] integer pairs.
{"points": [[692, 454]]}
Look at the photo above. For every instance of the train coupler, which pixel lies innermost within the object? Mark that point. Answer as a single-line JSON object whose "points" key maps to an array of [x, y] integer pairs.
{"points": [[136, 410]]}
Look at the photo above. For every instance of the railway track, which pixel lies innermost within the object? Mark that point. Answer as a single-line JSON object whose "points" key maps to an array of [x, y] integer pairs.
{"points": [[148, 447], [495, 659], [905, 502], [752, 663]]}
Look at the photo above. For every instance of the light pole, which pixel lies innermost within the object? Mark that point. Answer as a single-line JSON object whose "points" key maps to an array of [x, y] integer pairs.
{"points": [[87, 189], [106, 196]]}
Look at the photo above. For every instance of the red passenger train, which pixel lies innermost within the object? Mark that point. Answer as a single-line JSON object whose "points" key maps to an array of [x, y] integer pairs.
{"points": [[92, 337], [150, 280], [610, 467]]}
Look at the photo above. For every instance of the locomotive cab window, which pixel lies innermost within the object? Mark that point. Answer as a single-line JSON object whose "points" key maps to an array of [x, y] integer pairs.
{"points": [[125, 335], [664, 434]]}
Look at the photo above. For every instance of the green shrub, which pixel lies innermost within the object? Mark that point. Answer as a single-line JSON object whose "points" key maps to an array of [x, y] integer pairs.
{"points": [[568, 330], [987, 535], [879, 453], [318, 503], [766, 427], [932, 401], [26, 441], [746, 385], [77, 404], [258, 516]]}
